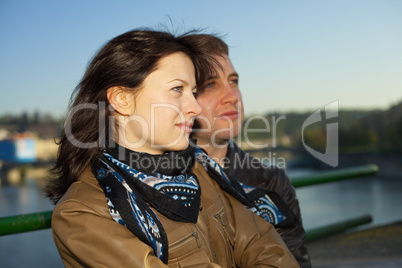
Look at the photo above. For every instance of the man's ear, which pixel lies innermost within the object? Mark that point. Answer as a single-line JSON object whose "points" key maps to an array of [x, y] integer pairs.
{"points": [[121, 99]]}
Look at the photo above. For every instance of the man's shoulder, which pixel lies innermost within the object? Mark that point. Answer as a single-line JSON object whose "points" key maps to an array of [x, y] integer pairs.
{"points": [[256, 172], [234, 151]]}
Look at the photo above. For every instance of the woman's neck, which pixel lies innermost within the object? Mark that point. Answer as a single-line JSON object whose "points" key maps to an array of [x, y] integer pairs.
{"points": [[134, 146], [168, 163]]}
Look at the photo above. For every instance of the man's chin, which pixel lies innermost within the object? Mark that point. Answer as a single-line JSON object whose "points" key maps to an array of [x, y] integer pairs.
{"points": [[223, 139], [219, 138]]}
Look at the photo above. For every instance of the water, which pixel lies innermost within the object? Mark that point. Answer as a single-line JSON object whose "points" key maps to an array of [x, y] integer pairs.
{"points": [[337, 201], [320, 205], [30, 249]]}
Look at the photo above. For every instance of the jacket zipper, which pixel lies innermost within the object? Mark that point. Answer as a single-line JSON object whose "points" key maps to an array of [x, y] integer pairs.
{"points": [[195, 234], [219, 218], [183, 239], [206, 246]]}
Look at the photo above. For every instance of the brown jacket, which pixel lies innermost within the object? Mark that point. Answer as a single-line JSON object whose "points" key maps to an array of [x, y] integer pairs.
{"points": [[248, 170], [225, 235]]}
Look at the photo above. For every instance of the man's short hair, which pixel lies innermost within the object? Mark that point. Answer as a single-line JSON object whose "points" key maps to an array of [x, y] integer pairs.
{"points": [[208, 43]]}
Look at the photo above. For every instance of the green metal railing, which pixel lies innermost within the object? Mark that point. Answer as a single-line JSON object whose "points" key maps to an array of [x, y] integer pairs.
{"points": [[334, 175], [25, 223], [42, 220], [336, 228]]}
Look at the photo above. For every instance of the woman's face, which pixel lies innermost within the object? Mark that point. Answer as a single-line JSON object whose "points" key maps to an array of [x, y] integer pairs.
{"points": [[165, 108]]}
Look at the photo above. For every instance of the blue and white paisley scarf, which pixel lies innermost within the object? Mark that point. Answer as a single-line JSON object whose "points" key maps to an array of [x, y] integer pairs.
{"points": [[257, 200], [165, 182], [168, 186]]}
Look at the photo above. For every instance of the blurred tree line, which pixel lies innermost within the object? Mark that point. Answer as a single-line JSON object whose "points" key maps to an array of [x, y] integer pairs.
{"points": [[359, 131], [26, 118], [44, 125]]}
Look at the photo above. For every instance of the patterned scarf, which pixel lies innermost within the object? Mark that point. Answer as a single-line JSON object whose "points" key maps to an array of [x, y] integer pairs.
{"points": [[265, 204], [167, 185], [163, 181], [241, 167]]}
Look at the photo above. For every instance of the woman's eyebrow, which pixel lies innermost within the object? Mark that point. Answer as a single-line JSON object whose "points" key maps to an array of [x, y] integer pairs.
{"points": [[178, 79], [183, 81]]}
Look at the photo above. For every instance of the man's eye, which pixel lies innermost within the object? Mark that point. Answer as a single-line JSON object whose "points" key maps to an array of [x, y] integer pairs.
{"points": [[194, 91], [234, 81], [209, 84]]}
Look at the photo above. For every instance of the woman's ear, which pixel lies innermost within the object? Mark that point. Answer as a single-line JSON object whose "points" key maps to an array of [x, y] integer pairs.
{"points": [[121, 99]]}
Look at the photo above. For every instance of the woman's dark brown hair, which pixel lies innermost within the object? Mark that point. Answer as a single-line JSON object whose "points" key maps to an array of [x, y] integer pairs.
{"points": [[124, 61]]}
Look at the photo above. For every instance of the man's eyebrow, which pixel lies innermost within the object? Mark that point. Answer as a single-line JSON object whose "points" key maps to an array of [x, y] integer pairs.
{"points": [[234, 74], [212, 77], [230, 75]]}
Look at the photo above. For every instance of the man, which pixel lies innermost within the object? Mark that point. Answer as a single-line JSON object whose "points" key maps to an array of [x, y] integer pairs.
{"points": [[220, 122]]}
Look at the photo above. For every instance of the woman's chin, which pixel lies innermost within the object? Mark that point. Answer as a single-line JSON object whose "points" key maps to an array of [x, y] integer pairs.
{"points": [[180, 145]]}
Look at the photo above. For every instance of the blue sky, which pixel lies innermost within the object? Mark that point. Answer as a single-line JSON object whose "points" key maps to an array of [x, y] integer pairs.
{"points": [[291, 55]]}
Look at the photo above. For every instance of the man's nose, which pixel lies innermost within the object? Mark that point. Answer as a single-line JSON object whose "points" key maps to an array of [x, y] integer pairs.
{"points": [[229, 95]]}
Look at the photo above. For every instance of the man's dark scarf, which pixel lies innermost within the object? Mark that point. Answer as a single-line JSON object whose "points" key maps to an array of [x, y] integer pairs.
{"points": [[134, 182]]}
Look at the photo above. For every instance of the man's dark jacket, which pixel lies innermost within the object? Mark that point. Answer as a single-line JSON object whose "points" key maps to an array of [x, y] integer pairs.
{"points": [[248, 170]]}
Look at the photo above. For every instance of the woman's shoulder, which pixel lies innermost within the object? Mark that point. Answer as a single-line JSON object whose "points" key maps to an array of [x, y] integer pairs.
{"points": [[84, 194]]}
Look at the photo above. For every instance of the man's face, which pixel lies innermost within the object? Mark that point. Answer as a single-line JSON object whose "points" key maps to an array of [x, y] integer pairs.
{"points": [[222, 108]]}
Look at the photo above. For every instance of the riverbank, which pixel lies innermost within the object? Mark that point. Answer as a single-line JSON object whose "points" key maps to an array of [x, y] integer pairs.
{"points": [[375, 247], [390, 164]]}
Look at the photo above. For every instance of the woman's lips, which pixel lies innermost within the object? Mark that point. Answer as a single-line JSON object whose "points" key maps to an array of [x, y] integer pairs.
{"points": [[229, 115], [186, 126]]}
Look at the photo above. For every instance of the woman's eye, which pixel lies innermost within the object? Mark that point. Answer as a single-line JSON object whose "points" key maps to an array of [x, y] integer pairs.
{"points": [[178, 89]]}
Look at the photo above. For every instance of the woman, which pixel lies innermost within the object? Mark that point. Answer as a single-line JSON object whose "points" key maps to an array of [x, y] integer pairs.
{"points": [[128, 191]]}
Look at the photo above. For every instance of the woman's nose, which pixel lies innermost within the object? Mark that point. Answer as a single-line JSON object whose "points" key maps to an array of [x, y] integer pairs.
{"points": [[192, 106]]}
